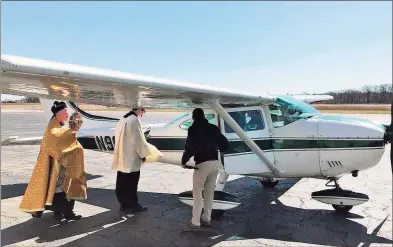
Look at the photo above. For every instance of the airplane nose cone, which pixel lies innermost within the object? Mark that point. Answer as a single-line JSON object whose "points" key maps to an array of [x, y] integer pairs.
{"points": [[388, 137]]}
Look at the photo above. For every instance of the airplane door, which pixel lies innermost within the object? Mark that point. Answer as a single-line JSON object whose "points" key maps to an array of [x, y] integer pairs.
{"points": [[170, 139], [239, 159]]}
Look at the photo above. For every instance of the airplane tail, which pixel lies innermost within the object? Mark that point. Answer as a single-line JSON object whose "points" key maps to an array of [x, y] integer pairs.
{"points": [[90, 121]]}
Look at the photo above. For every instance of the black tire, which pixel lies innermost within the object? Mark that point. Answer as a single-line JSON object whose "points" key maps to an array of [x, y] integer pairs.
{"points": [[342, 208], [269, 184], [217, 213]]}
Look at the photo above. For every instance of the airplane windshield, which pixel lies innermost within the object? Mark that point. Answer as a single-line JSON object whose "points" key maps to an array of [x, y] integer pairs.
{"points": [[288, 110]]}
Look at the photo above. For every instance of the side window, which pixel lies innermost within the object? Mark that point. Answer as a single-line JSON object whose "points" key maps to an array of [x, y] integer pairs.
{"points": [[250, 120], [276, 115], [282, 115], [186, 124]]}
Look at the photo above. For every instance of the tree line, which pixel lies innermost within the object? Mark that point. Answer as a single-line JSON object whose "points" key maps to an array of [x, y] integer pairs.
{"points": [[30, 100], [22, 100], [369, 94]]}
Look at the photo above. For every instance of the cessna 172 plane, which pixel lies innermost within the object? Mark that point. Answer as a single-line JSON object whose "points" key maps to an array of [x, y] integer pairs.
{"points": [[271, 137]]}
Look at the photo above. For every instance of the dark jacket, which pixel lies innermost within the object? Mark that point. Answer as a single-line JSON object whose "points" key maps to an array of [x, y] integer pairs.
{"points": [[203, 142]]}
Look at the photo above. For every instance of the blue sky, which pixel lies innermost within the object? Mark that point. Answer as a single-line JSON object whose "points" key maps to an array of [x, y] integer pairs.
{"points": [[275, 47]]}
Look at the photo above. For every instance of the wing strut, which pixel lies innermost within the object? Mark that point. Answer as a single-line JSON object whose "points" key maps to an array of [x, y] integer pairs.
{"points": [[215, 104]]}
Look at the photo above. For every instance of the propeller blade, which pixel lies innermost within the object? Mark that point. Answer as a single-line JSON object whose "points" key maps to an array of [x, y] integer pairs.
{"points": [[391, 136]]}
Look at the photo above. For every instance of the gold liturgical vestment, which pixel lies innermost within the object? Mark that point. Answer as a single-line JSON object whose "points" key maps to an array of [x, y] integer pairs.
{"points": [[58, 147]]}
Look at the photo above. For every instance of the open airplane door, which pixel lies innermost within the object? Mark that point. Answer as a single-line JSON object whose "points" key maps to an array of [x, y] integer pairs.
{"points": [[239, 159]]}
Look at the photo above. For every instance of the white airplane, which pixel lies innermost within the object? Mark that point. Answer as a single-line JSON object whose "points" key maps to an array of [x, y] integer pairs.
{"points": [[271, 137]]}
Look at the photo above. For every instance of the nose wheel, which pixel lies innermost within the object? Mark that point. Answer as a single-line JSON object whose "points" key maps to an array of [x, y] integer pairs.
{"points": [[342, 208], [269, 182], [341, 200]]}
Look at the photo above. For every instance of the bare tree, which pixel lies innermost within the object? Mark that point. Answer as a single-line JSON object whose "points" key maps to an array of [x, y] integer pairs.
{"points": [[368, 94], [31, 100]]}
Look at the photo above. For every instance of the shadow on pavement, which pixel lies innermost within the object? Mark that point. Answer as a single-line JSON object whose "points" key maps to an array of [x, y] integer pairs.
{"points": [[14, 190], [261, 215]]}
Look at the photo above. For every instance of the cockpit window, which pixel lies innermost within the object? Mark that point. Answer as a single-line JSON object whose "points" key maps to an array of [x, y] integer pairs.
{"points": [[249, 120], [186, 124], [288, 110]]}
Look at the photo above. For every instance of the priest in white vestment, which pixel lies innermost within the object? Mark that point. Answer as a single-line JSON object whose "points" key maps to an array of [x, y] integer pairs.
{"points": [[130, 152]]}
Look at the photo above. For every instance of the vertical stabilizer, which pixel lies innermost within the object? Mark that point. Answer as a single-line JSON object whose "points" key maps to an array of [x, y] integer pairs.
{"points": [[90, 121]]}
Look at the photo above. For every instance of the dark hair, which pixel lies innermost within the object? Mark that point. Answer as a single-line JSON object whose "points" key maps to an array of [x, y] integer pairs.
{"points": [[198, 114], [135, 109], [57, 106], [132, 112]]}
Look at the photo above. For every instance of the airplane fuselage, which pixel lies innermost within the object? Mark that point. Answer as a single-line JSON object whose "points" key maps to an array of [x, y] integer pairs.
{"points": [[280, 136], [315, 145]]}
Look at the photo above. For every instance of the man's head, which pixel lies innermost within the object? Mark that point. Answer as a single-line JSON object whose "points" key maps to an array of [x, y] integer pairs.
{"points": [[198, 114], [59, 110], [139, 111]]}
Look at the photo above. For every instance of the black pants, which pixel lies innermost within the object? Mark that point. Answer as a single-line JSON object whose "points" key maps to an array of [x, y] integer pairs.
{"points": [[126, 188], [60, 204]]}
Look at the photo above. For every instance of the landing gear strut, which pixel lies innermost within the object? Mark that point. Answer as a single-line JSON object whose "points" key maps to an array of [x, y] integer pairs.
{"points": [[341, 200], [268, 182]]}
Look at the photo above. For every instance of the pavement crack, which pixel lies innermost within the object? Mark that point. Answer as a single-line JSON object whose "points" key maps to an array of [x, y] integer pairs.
{"points": [[264, 244], [11, 217], [248, 225], [344, 239], [100, 235], [173, 243], [302, 205], [167, 210]]}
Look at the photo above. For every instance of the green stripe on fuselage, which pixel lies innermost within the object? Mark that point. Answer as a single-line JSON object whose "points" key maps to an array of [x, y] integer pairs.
{"points": [[350, 143], [238, 146], [168, 144]]}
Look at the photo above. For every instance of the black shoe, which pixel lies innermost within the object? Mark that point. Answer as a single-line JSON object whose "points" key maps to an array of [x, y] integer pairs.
{"points": [[125, 209], [73, 217], [58, 216], [138, 208], [37, 215]]}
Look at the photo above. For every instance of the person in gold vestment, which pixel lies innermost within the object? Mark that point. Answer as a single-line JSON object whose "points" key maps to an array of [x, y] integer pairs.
{"points": [[59, 176]]}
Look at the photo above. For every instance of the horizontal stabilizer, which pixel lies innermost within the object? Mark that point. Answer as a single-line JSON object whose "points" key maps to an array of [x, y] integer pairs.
{"points": [[312, 98], [14, 140]]}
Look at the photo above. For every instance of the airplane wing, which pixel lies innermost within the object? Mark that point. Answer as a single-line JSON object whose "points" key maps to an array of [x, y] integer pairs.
{"points": [[52, 80], [308, 98]]}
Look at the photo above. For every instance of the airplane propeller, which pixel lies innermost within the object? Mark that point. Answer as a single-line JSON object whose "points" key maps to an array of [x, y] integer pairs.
{"points": [[391, 135], [388, 138]]}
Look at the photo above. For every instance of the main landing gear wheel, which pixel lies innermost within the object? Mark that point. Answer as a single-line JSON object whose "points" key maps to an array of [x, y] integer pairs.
{"points": [[268, 182]]}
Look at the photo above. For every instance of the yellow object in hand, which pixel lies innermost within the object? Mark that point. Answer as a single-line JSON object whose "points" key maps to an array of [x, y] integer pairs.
{"points": [[154, 155]]}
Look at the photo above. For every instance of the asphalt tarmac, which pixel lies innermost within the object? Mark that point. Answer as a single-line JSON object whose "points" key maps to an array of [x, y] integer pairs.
{"points": [[283, 216]]}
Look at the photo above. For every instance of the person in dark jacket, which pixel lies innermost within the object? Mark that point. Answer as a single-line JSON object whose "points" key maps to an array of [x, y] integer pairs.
{"points": [[204, 140]]}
